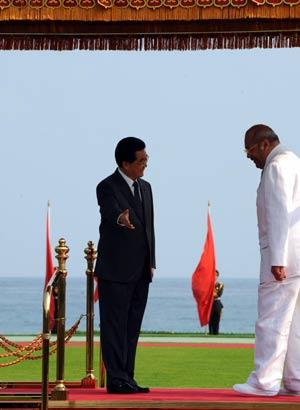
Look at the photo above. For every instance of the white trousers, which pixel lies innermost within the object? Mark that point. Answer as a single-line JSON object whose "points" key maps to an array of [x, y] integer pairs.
{"points": [[277, 336]]}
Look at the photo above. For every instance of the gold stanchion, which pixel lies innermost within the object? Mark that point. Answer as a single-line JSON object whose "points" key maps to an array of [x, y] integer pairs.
{"points": [[90, 380], [60, 391]]}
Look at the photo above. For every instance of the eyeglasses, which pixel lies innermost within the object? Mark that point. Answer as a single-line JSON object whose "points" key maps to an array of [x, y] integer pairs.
{"points": [[248, 150], [142, 160]]}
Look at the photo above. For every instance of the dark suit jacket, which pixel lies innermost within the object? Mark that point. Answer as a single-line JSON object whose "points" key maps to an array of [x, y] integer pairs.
{"points": [[122, 252]]}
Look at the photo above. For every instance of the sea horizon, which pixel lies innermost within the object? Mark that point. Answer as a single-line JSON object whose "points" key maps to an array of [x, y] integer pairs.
{"points": [[170, 308]]}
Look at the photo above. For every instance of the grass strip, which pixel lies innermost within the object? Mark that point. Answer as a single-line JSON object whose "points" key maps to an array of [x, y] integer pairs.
{"points": [[155, 366], [170, 334]]}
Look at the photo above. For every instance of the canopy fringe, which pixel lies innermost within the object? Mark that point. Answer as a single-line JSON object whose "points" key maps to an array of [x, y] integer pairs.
{"points": [[152, 42]]}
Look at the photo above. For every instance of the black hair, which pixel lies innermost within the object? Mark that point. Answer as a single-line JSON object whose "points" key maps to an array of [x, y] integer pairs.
{"points": [[262, 132], [126, 149]]}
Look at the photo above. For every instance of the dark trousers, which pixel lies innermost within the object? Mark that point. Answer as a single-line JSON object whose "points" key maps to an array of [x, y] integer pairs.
{"points": [[122, 307], [215, 317]]}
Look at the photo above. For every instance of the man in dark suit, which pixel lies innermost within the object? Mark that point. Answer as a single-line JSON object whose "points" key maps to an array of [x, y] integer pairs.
{"points": [[125, 263], [216, 309]]}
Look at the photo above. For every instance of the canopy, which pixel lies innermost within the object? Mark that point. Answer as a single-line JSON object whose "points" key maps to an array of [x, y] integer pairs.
{"points": [[148, 24]]}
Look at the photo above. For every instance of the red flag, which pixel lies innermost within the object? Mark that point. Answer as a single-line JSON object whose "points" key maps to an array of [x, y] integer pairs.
{"points": [[49, 266], [96, 293], [204, 277]]}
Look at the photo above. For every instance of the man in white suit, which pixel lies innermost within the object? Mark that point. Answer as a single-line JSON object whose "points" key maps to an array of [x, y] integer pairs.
{"points": [[277, 329]]}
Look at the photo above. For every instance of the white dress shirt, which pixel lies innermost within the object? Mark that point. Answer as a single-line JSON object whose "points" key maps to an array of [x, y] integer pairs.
{"points": [[130, 182]]}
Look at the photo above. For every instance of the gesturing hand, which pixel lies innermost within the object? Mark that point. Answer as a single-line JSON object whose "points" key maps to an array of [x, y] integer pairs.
{"points": [[279, 272], [124, 220]]}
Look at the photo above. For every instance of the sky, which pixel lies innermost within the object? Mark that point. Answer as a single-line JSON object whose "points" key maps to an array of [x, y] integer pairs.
{"points": [[63, 113]]}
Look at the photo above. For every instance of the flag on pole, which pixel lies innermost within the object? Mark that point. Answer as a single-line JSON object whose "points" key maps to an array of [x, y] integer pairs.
{"points": [[49, 266], [204, 277]]}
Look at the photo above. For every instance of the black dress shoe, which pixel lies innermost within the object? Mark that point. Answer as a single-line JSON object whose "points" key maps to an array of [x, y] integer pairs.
{"points": [[121, 387], [140, 389]]}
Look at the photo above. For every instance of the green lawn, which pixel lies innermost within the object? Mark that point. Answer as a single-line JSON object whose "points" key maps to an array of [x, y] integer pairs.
{"points": [[183, 334], [156, 366]]}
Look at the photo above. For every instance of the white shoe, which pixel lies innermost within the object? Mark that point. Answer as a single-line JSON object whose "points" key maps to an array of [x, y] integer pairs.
{"points": [[286, 392], [252, 391]]}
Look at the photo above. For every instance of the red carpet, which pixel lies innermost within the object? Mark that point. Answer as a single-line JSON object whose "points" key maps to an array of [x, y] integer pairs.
{"points": [[161, 395], [178, 395]]}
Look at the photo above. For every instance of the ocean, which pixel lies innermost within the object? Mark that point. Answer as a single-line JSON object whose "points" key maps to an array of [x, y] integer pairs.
{"points": [[170, 307]]}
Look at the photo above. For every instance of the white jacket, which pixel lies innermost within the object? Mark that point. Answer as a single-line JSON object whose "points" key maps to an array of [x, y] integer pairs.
{"points": [[278, 213]]}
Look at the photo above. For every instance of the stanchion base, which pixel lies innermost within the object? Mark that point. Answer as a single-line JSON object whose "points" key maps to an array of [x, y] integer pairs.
{"points": [[89, 381], [59, 392]]}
